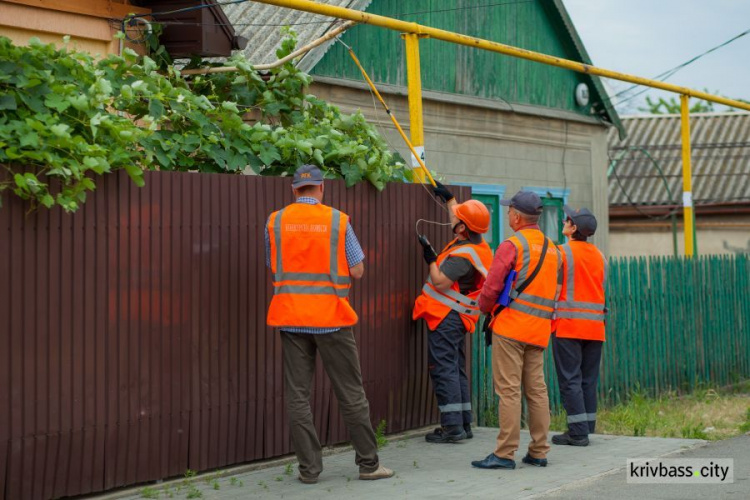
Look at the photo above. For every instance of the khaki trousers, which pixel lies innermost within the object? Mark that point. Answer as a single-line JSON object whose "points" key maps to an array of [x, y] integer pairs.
{"points": [[338, 350], [515, 364]]}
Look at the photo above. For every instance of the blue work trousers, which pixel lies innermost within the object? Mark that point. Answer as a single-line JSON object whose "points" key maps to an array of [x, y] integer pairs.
{"points": [[577, 364], [447, 363]]}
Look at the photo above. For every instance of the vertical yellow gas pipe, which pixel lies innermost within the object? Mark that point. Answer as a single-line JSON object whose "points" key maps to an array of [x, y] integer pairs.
{"points": [[687, 177], [414, 80]]}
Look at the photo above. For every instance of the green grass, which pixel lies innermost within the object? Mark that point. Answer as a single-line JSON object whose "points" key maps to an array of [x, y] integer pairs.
{"points": [[289, 470], [491, 417], [194, 492], [380, 435], [745, 426], [706, 413], [149, 493]]}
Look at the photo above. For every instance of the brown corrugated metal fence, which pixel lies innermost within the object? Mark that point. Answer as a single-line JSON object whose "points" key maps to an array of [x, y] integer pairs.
{"points": [[133, 337]]}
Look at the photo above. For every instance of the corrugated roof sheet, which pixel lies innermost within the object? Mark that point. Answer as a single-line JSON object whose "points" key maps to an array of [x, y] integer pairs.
{"points": [[720, 159], [261, 24]]}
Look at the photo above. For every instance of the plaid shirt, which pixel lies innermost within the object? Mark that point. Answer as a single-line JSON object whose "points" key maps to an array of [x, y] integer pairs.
{"points": [[354, 255]]}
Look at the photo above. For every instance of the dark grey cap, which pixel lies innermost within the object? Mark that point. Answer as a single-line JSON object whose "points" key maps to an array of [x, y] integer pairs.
{"points": [[525, 201], [583, 219], [307, 175]]}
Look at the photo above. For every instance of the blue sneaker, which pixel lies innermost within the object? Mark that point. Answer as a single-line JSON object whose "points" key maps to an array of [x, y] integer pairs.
{"points": [[536, 462], [494, 462]]}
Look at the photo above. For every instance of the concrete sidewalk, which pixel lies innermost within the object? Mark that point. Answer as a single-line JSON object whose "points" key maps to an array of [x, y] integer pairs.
{"points": [[426, 470]]}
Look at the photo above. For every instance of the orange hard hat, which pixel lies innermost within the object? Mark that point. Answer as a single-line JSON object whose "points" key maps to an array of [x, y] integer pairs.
{"points": [[474, 214]]}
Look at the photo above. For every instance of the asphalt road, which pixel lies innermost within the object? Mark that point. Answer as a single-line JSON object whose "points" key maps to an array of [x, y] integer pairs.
{"points": [[614, 486]]}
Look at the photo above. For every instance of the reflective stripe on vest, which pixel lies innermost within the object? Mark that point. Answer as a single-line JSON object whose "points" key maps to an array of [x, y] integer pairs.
{"points": [[594, 316], [522, 275], [453, 304], [451, 298], [533, 311], [593, 310], [326, 287], [473, 257], [311, 290], [458, 297]]}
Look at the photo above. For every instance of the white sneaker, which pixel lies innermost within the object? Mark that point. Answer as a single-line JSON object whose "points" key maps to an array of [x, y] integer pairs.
{"points": [[381, 473]]}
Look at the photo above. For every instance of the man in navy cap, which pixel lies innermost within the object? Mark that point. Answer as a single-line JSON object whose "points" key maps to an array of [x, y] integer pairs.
{"points": [[312, 274], [579, 326], [521, 330]]}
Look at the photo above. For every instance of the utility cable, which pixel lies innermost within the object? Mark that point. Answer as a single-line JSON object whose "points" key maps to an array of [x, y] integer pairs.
{"points": [[565, 150], [614, 162], [397, 16], [388, 111], [188, 9], [670, 72], [416, 225], [381, 129]]}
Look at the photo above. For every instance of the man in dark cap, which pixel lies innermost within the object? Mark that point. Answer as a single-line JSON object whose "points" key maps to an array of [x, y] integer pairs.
{"points": [[530, 264], [579, 326], [313, 254]]}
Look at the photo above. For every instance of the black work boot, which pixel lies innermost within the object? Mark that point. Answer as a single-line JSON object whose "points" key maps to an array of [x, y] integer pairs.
{"points": [[467, 430], [447, 434], [567, 439]]}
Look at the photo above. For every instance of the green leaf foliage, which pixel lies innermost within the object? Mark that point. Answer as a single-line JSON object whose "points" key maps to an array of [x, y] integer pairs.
{"points": [[67, 117]]}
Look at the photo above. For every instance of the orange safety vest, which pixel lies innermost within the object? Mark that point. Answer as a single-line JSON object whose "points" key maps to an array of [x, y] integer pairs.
{"points": [[528, 318], [311, 279], [434, 305], [580, 311]]}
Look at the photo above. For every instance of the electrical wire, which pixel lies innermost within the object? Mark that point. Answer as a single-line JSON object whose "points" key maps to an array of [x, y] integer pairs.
{"points": [[565, 150], [614, 162], [397, 16], [188, 9], [381, 128], [416, 225], [670, 72], [390, 145]]}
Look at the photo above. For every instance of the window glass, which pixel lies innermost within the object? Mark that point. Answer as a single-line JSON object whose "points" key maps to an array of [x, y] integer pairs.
{"points": [[491, 201], [551, 221]]}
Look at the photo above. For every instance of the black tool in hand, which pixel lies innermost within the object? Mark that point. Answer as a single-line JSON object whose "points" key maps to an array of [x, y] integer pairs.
{"points": [[442, 192], [487, 330], [430, 255]]}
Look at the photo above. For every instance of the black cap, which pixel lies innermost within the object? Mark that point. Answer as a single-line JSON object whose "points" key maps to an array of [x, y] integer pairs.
{"points": [[583, 219], [527, 202], [307, 175]]}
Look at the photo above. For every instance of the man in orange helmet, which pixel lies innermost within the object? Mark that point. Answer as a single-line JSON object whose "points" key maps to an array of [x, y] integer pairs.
{"points": [[448, 305]]}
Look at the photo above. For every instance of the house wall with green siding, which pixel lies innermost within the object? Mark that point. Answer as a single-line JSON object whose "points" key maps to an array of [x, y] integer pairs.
{"points": [[464, 70]]}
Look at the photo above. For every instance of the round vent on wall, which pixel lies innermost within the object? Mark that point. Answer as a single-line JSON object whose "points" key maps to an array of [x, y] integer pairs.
{"points": [[582, 94]]}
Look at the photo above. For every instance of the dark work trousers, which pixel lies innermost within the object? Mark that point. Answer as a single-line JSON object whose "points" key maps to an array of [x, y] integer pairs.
{"points": [[577, 364], [338, 350], [447, 363]]}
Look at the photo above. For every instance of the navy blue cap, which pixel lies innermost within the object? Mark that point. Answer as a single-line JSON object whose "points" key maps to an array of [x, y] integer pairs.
{"points": [[583, 219], [307, 175], [526, 202]]}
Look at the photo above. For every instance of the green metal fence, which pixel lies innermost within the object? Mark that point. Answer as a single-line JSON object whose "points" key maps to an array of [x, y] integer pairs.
{"points": [[673, 324]]}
